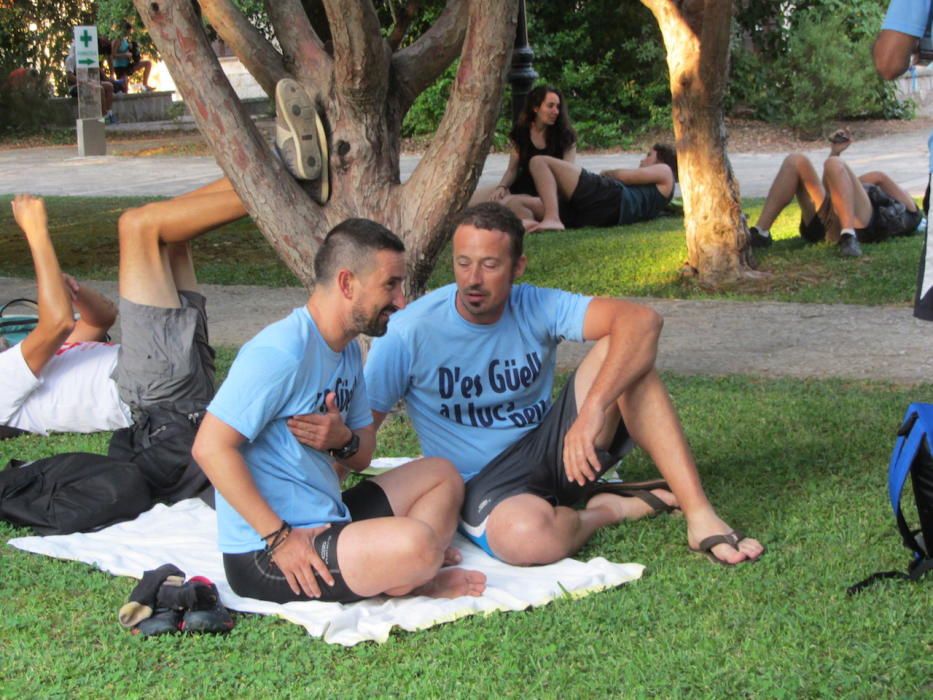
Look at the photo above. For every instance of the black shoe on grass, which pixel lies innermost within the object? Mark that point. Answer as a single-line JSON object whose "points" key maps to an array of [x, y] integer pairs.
{"points": [[211, 618], [849, 247], [758, 239]]}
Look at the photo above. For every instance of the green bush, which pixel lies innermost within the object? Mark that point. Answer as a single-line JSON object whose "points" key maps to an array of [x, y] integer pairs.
{"points": [[807, 66], [827, 74]]}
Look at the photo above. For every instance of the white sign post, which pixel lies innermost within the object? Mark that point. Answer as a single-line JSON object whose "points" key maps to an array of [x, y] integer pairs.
{"points": [[91, 141]]}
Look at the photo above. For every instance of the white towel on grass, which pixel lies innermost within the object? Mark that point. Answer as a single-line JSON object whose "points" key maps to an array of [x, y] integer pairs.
{"points": [[185, 534]]}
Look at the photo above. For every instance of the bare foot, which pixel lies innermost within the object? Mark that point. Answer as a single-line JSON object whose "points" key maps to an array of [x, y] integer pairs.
{"points": [[530, 225], [549, 225], [701, 526], [453, 583], [452, 556], [629, 507]]}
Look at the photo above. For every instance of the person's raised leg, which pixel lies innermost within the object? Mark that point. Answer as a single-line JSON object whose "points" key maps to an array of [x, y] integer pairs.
{"points": [[795, 178], [154, 242], [652, 422], [400, 556], [850, 201], [56, 319], [526, 529], [554, 179]]}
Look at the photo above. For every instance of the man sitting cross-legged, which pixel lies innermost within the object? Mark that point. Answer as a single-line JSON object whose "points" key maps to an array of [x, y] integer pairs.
{"points": [[474, 362], [836, 208], [294, 401], [571, 197]]}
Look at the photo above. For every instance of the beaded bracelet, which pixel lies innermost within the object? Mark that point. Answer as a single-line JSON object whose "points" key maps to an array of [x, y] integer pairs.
{"points": [[278, 537]]}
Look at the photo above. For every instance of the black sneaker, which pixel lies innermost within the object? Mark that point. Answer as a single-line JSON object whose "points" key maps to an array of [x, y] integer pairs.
{"points": [[758, 239], [162, 621], [212, 619], [849, 247]]}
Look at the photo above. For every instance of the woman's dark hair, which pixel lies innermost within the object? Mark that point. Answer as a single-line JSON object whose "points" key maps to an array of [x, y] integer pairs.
{"points": [[558, 138]]}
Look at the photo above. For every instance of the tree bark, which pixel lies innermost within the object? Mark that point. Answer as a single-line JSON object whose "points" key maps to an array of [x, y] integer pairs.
{"points": [[362, 95], [696, 37], [255, 53]]}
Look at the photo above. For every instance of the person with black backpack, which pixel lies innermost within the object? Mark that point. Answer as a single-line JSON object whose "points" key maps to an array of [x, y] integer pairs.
{"points": [[161, 377], [838, 207]]}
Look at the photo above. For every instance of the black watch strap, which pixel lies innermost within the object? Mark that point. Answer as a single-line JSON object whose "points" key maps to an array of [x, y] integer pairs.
{"points": [[349, 449]]}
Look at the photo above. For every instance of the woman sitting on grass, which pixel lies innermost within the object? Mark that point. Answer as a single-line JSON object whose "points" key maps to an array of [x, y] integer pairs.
{"points": [[543, 128]]}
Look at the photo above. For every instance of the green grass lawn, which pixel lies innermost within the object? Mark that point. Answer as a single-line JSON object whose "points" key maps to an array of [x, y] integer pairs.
{"points": [[639, 260], [780, 628]]}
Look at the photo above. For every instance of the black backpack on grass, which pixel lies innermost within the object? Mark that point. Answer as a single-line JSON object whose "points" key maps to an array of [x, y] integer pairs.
{"points": [[913, 455], [73, 492], [146, 463]]}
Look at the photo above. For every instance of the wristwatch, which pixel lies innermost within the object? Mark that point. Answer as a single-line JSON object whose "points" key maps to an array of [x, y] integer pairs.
{"points": [[348, 450]]}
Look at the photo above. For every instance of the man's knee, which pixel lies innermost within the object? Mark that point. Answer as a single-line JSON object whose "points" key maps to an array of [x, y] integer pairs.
{"points": [[834, 166], [541, 162], [417, 547], [528, 539], [136, 227], [797, 161]]}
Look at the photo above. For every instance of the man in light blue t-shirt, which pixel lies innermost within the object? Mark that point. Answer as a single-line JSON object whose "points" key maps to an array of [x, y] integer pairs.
{"points": [[906, 22], [295, 401], [474, 362]]}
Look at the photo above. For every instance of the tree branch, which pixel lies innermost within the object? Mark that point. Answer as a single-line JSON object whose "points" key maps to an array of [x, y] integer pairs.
{"points": [[301, 45], [248, 44], [277, 204], [417, 66], [447, 174], [361, 55], [402, 23]]}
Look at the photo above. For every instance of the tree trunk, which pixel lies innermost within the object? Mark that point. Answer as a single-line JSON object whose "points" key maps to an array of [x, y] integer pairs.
{"points": [[362, 94], [696, 37]]}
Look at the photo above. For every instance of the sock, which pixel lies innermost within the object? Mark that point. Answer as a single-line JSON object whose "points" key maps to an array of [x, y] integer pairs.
{"points": [[763, 231], [847, 232]]}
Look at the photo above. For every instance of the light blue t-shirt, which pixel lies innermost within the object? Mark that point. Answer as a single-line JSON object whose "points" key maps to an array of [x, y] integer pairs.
{"points": [[287, 369], [473, 390], [911, 17]]}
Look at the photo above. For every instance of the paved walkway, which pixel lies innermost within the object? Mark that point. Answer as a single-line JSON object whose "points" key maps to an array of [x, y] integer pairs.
{"points": [[59, 170], [700, 337], [769, 339]]}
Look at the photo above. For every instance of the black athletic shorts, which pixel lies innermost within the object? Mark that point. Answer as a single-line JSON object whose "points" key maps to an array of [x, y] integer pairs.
{"points": [[535, 465], [826, 220], [255, 575], [597, 201]]}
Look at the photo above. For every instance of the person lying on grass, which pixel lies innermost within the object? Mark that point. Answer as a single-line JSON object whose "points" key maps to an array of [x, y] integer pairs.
{"points": [[286, 531], [839, 207], [474, 362], [571, 197], [58, 377]]}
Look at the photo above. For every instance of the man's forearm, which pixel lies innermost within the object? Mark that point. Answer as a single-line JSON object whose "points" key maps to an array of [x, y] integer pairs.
{"points": [[227, 471], [632, 352]]}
